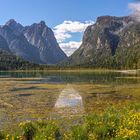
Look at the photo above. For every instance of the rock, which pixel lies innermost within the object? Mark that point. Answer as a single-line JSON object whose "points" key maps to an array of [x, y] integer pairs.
{"points": [[3, 44]]}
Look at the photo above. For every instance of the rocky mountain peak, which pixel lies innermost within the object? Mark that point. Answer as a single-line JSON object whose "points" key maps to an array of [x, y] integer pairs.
{"points": [[105, 40], [14, 25], [11, 22], [104, 18], [42, 24], [106, 21], [35, 43], [42, 37]]}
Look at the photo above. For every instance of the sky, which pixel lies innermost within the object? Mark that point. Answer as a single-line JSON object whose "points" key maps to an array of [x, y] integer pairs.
{"points": [[67, 18]]}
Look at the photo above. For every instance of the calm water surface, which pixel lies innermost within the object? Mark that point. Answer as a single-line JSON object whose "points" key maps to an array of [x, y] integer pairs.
{"points": [[66, 77]]}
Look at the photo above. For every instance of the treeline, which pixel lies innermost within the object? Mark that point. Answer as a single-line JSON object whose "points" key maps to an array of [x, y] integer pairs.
{"points": [[125, 58], [12, 62]]}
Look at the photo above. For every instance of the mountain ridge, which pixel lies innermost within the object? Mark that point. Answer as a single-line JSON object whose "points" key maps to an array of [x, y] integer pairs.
{"points": [[35, 43], [108, 42]]}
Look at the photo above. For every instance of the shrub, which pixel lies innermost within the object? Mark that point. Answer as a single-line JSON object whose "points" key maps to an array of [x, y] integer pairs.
{"points": [[28, 130], [79, 133], [2, 135]]}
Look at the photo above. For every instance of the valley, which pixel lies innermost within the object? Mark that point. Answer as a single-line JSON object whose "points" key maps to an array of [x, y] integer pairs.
{"points": [[69, 70]]}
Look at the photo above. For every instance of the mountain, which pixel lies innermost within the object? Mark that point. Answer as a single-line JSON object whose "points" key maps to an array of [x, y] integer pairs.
{"points": [[42, 37], [14, 25], [35, 43], [19, 45], [112, 42]]}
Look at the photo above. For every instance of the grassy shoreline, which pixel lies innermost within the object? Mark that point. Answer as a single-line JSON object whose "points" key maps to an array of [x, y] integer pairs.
{"points": [[84, 70]]}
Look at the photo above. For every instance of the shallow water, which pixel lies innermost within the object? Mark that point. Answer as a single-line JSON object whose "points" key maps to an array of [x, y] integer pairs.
{"points": [[67, 77], [50, 95], [69, 97], [70, 100]]}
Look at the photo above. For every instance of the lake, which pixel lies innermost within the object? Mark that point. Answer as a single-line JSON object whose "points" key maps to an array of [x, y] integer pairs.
{"points": [[57, 95]]}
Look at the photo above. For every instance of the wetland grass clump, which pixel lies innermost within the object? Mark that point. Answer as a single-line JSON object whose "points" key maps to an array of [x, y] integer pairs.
{"points": [[2, 135], [28, 130], [113, 123]]}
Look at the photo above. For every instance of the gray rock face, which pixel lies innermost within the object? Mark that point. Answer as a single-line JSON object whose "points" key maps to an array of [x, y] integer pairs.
{"points": [[104, 34], [102, 40], [42, 37], [14, 25], [3, 44], [35, 43], [18, 45]]}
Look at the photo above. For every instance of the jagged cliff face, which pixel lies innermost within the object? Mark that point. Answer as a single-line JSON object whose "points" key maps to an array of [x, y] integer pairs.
{"points": [[18, 44], [3, 44], [105, 38], [35, 43], [42, 37]]}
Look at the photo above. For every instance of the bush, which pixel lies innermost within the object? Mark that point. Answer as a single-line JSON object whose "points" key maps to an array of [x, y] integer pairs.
{"points": [[79, 133], [2, 135], [28, 130]]}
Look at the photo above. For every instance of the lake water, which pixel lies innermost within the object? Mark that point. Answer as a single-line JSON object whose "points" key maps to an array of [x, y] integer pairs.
{"points": [[67, 77], [52, 95]]}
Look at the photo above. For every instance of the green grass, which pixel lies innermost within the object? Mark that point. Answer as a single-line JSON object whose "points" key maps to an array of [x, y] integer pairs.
{"points": [[74, 70], [114, 123]]}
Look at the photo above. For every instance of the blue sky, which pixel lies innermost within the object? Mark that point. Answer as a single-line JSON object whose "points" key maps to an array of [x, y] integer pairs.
{"points": [[56, 13]]}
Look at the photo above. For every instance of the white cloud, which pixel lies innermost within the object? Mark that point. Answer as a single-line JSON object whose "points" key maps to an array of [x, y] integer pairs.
{"points": [[135, 7], [70, 47], [65, 31]]}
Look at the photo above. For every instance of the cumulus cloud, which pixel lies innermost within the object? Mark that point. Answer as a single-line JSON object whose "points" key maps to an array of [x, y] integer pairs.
{"points": [[63, 31], [70, 47], [135, 7], [66, 31]]}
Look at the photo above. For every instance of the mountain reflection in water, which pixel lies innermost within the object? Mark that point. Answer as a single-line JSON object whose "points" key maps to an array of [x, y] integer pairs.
{"points": [[69, 101]]}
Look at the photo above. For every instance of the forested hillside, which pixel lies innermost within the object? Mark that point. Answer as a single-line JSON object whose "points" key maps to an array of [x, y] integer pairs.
{"points": [[12, 62]]}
